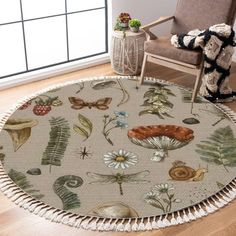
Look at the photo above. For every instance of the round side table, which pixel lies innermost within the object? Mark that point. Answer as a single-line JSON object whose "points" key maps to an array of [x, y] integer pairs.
{"points": [[127, 50]]}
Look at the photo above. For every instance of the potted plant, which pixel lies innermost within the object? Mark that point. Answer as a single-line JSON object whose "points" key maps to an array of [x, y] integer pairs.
{"points": [[134, 25], [124, 19]]}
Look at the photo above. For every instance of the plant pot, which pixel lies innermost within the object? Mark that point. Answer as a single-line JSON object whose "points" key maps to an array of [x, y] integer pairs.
{"points": [[134, 29], [124, 25]]}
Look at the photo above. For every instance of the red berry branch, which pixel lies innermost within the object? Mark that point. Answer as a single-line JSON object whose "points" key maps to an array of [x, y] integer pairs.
{"points": [[42, 105]]}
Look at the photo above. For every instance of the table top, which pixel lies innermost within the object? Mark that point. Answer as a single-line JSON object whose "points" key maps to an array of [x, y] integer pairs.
{"points": [[128, 33]]}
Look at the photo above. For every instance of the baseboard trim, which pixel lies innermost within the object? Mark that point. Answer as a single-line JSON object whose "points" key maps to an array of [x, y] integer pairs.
{"points": [[51, 72]]}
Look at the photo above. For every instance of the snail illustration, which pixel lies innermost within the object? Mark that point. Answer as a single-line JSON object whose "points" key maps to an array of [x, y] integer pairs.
{"points": [[181, 172]]}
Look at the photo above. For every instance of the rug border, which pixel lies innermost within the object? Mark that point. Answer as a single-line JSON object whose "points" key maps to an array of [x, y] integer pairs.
{"points": [[23, 199]]}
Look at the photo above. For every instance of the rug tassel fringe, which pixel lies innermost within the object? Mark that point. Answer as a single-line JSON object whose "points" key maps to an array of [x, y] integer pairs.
{"points": [[148, 225]]}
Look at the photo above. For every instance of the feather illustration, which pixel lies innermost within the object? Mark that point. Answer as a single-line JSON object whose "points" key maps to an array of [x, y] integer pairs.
{"points": [[86, 129], [21, 180], [59, 135], [69, 199], [85, 122]]}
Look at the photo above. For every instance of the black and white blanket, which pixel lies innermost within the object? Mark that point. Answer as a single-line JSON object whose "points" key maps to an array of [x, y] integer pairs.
{"points": [[218, 45]]}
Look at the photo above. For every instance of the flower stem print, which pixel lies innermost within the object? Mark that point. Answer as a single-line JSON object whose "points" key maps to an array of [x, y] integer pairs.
{"points": [[187, 97], [112, 122], [161, 198], [59, 135], [220, 148], [21, 180], [135, 178], [69, 199], [156, 101], [215, 112], [112, 84], [125, 94], [86, 128]]}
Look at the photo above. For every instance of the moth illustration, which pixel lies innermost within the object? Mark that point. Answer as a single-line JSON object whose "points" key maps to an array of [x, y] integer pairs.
{"points": [[136, 178], [101, 104]]}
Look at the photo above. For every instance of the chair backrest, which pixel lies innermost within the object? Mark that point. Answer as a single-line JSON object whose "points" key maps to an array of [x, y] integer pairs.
{"points": [[201, 14]]}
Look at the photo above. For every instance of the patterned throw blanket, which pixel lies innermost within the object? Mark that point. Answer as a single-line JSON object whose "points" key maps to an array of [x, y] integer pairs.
{"points": [[218, 45]]}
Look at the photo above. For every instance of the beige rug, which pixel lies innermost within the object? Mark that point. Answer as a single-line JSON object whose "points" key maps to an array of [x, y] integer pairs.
{"points": [[104, 154]]}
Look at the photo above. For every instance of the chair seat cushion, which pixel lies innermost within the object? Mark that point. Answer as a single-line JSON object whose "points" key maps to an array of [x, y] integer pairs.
{"points": [[163, 47]]}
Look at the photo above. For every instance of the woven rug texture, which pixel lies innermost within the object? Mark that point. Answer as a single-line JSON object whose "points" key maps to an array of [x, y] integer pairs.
{"points": [[115, 155]]}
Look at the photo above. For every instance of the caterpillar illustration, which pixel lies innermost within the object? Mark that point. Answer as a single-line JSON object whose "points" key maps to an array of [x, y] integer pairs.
{"points": [[69, 199]]}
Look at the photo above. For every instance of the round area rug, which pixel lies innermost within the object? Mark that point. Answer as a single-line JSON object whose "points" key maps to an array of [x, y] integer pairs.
{"points": [[106, 154]]}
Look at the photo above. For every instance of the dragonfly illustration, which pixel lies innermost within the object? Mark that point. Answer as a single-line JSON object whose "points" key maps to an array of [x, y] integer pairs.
{"points": [[119, 178]]}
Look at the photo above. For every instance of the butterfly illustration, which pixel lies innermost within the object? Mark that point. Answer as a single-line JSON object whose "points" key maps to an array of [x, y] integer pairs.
{"points": [[119, 178], [101, 104]]}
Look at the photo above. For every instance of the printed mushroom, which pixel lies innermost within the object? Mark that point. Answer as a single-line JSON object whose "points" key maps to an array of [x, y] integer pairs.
{"points": [[162, 138], [19, 130]]}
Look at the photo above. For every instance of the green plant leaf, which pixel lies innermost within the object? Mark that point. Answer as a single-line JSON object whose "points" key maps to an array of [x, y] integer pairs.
{"points": [[187, 97], [149, 93], [145, 112], [2, 157], [156, 205], [220, 148], [85, 122], [168, 115], [81, 131], [156, 101], [21, 180], [220, 185], [69, 199], [167, 201], [59, 136]]}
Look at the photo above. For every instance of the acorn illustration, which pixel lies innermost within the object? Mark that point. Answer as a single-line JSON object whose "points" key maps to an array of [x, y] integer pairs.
{"points": [[181, 172]]}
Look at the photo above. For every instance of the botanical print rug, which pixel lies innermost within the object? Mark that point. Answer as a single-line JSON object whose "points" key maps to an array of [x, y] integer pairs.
{"points": [[107, 154]]}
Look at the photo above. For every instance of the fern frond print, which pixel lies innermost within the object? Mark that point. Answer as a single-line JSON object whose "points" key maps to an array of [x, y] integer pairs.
{"points": [[220, 148], [69, 199], [59, 135], [21, 180]]}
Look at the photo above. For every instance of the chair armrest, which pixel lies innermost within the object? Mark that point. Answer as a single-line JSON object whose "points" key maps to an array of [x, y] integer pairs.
{"points": [[161, 20]]}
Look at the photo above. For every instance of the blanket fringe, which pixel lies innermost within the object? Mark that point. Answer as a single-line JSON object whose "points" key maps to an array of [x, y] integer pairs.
{"points": [[24, 200]]}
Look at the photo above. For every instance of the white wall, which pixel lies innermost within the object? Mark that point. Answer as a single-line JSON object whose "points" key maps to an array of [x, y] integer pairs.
{"points": [[146, 11]]}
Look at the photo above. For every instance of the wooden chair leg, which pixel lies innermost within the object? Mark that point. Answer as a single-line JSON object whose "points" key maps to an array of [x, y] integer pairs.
{"points": [[197, 83], [143, 69], [196, 86]]}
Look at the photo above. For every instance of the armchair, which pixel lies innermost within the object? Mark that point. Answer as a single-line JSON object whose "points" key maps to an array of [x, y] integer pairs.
{"points": [[189, 15]]}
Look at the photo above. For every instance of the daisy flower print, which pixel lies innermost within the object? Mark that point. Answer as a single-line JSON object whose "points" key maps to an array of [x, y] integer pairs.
{"points": [[120, 159]]}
